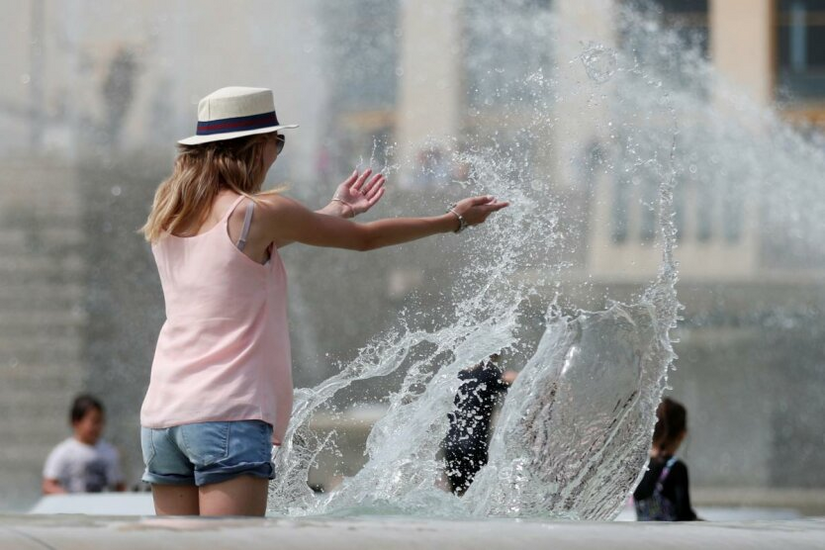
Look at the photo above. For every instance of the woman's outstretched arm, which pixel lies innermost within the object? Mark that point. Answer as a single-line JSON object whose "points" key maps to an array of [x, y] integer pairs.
{"points": [[287, 220], [355, 195]]}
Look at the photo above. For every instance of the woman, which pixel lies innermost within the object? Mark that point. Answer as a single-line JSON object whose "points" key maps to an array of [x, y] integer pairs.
{"points": [[663, 493], [220, 392]]}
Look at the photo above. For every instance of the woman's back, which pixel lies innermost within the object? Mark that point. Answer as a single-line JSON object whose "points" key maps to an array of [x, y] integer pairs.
{"points": [[223, 352]]}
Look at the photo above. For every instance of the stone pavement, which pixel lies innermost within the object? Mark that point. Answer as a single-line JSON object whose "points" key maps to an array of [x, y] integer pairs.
{"points": [[65, 532]]}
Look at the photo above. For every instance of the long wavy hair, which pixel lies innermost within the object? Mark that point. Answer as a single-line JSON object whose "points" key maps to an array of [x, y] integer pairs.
{"points": [[185, 198]]}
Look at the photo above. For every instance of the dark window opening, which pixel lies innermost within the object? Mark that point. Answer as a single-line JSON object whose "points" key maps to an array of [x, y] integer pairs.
{"points": [[801, 49]]}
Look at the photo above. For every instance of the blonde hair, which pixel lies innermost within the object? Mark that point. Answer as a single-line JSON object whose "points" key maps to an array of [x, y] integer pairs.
{"points": [[185, 198]]}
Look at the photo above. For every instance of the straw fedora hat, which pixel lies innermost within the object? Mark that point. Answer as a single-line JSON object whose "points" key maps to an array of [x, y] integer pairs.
{"points": [[235, 112]]}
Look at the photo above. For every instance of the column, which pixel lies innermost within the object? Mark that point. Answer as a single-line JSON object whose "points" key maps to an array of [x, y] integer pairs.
{"points": [[430, 90]]}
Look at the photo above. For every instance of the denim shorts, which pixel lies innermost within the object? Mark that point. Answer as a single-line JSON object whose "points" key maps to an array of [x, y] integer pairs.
{"points": [[207, 452]]}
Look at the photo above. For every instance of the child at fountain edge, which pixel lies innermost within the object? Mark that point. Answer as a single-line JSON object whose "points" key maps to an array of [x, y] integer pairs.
{"points": [[466, 445], [663, 493], [83, 463], [220, 390]]}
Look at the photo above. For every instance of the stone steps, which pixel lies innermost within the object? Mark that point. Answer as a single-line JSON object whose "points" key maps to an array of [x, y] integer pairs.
{"points": [[41, 428], [36, 452], [69, 264], [41, 296], [40, 328], [35, 391], [42, 319], [31, 351], [44, 334], [50, 400], [33, 319], [56, 376], [20, 405], [54, 269], [15, 241]]}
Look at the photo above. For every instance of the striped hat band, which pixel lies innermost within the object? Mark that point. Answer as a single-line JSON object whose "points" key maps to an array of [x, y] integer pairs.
{"points": [[237, 124]]}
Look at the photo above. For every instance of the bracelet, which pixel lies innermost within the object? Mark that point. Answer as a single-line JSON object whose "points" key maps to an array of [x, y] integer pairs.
{"points": [[348, 205], [462, 223]]}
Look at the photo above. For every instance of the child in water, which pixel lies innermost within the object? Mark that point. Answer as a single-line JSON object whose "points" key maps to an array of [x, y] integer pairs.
{"points": [[465, 447], [663, 492], [84, 463]]}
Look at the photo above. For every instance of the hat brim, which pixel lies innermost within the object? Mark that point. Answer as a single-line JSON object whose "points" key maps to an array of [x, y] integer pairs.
{"points": [[197, 140]]}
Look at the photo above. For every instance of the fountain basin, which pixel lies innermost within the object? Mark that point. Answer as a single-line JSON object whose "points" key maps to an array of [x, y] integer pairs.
{"points": [[69, 532]]}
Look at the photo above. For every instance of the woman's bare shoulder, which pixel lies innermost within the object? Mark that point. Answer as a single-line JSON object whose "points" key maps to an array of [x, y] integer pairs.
{"points": [[276, 207], [276, 201]]}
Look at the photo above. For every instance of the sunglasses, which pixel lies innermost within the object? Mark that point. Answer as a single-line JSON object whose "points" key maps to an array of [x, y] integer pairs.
{"points": [[280, 140]]}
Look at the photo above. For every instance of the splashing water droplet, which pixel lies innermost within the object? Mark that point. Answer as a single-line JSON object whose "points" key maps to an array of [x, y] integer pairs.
{"points": [[600, 62]]}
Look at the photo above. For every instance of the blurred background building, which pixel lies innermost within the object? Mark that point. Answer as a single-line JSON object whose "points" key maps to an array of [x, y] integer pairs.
{"points": [[94, 95]]}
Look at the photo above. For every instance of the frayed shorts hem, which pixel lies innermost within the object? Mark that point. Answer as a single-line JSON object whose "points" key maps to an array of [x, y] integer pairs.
{"points": [[261, 470]]}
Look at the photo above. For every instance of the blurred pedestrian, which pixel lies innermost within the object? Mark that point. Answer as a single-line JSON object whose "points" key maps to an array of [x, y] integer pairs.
{"points": [[465, 447], [663, 493], [84, 463]]}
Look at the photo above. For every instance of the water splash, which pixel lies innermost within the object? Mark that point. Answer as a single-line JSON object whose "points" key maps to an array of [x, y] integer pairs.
{"points": [[600, 62], [574, 432], [575, 429]]}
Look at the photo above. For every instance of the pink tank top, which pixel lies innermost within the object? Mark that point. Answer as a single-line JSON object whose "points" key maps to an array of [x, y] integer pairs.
{"points": [[223, 353]]}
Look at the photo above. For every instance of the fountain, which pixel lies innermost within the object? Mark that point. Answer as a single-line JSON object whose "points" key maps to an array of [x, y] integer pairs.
{"points": [[629, 162]]}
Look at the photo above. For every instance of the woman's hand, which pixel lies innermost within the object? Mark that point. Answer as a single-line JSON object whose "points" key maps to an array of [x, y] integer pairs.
{"points": [[475, 210], [359, 194]]}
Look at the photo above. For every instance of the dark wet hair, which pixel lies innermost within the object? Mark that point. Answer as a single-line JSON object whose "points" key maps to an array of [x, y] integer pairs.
{"points": [[82, 405], [671, 422]]}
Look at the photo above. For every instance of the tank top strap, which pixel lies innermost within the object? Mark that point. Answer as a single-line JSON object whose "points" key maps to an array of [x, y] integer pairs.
{"points": [[250, 207], [232, 208]]}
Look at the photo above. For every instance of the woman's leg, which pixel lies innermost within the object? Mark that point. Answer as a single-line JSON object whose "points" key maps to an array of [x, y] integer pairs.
{"points": [[175, 500], [240, 496]]}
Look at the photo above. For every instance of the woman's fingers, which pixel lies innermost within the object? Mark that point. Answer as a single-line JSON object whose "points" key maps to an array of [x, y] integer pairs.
{"points": [[478, 213], [478, 201], [350, 180], [488, 209], [374, 185], [360, 181], [376, 196], [372, 181]]}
